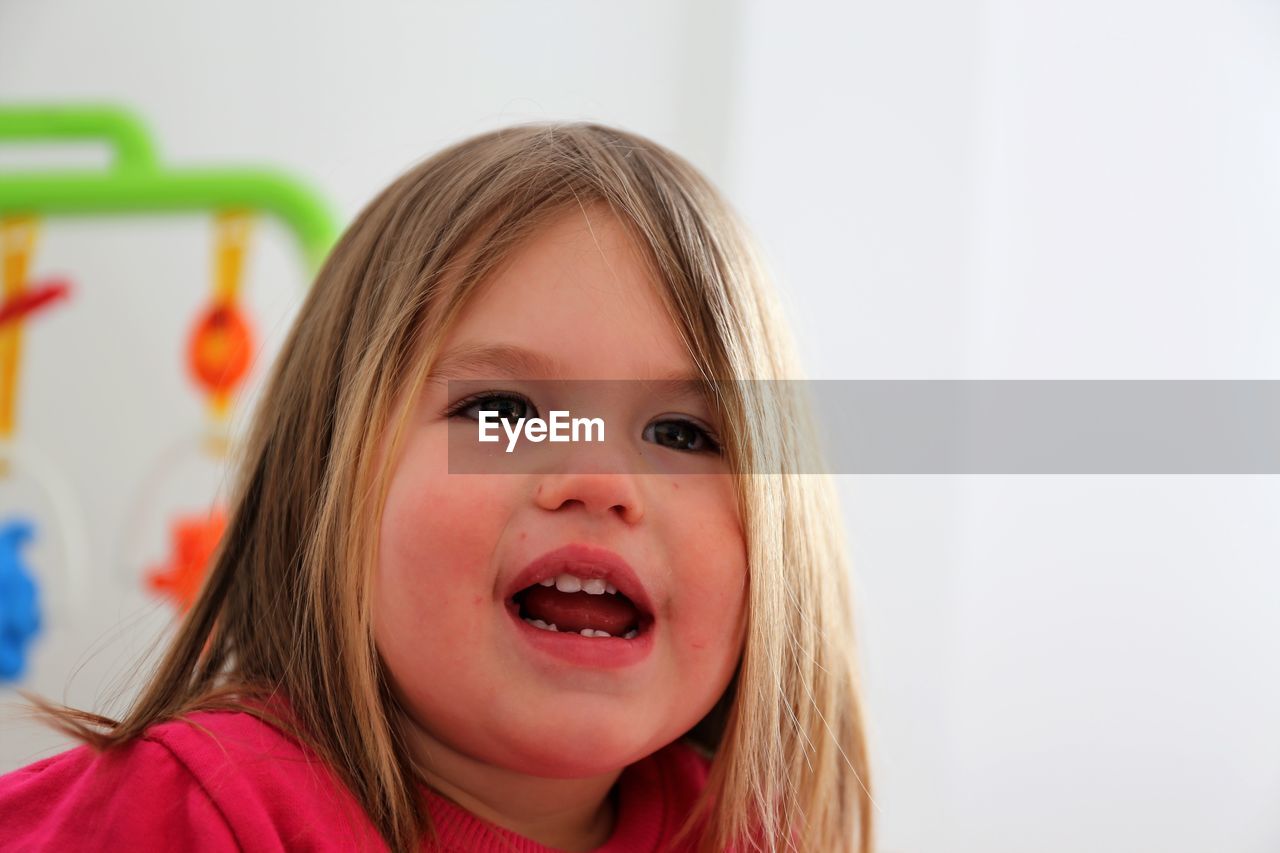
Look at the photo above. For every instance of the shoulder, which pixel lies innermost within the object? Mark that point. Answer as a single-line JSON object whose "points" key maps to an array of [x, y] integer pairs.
{"points": [[135, 795], [216, 780]]}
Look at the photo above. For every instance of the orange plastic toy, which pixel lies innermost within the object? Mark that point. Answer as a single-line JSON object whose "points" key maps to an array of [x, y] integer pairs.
{"points": [[220, 350], [194, 539], [221, 345]]}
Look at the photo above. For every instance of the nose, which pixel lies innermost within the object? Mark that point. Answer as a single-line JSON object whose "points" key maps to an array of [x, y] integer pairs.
{"points": [[596, 492]]}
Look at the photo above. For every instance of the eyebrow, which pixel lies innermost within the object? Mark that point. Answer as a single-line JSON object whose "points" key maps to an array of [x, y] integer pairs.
{"points": [[510, 361], [497, 359]]}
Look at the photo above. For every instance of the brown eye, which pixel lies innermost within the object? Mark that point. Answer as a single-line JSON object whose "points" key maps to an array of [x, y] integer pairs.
{"points": [[681, 435], [509, 406]]}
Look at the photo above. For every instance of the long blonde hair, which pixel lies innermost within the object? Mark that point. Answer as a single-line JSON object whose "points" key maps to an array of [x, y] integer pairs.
{"points": [[282, 610]]}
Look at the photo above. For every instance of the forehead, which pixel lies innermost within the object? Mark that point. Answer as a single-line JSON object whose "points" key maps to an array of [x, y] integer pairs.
{"points": [[581, 293]]}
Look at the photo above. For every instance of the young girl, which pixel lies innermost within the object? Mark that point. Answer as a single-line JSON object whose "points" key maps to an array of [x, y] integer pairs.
{"points": [[374, 659]]}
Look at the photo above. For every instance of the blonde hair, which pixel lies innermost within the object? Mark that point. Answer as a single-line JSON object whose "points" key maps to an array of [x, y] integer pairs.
{"points": [[281, 610]]}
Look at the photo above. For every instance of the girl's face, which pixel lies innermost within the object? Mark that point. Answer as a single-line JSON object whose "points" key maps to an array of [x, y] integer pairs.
{"points": [[650, 511]]}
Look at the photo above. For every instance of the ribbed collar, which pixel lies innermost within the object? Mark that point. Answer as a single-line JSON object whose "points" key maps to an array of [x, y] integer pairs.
{"points": [[642, 818]]}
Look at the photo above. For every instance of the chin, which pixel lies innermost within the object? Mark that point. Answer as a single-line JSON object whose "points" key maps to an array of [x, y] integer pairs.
{"points": [[572, 751]]}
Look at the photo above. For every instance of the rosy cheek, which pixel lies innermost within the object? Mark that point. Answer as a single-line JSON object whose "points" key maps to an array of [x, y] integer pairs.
{"points": [[714, 565], [437, 549], [447, 528]]}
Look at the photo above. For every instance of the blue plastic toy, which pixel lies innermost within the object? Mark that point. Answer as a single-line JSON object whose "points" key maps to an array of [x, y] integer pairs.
{"points": [[19, 604]]}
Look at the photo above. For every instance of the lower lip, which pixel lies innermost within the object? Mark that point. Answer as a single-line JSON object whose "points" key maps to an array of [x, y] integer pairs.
{"points": [[592, 652]]}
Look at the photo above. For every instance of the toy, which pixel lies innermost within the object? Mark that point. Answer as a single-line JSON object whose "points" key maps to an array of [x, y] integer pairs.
{"points": [[19, 599], [219, 353]]}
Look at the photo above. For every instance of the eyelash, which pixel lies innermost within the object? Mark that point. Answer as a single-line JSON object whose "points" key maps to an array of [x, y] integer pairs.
{"points": [[459, 409]]}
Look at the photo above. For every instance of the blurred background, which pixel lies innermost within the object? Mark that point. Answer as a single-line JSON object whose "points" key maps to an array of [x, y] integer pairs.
{"points": [[945, 189]]}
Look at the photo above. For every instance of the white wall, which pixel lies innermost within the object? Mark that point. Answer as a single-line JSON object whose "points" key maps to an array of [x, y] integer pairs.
{"points": [[1043, 190], [946, 190]]}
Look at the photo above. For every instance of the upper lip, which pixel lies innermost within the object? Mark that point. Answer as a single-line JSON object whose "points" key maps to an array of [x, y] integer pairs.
{"points": [[586, 562]]}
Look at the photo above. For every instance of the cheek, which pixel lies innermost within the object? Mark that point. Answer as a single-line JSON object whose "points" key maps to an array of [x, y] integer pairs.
{"points": [[709, 550], [436, 549], [436, 531]]}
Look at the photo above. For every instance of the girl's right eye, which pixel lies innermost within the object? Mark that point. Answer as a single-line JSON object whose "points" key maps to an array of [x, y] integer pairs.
{"points": [[509, 405]]}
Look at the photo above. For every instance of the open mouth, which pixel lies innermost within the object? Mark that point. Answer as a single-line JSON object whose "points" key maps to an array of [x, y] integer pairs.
{"points": [[588, 606]]}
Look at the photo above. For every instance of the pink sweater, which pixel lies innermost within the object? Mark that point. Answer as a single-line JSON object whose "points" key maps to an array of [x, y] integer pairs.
{"points": [[254, 788]]}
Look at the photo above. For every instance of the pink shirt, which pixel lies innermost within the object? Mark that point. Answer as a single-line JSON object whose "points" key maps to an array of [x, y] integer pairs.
{"points": [[254, 788]]}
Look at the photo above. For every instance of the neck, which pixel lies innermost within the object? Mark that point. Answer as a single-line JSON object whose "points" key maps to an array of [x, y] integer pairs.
{"points": [[574, 815]]}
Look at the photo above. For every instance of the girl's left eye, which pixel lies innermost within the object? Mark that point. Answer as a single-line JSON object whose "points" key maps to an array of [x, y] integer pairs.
{"points": [[682, 435]]}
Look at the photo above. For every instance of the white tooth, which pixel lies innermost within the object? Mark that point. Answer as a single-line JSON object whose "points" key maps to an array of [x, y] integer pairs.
{"points": [[595, 586], [552, 627], [630, 634], [588, 632], [539, 623], [600, 633], [547, 582], [610, 588], [568, 583]]}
